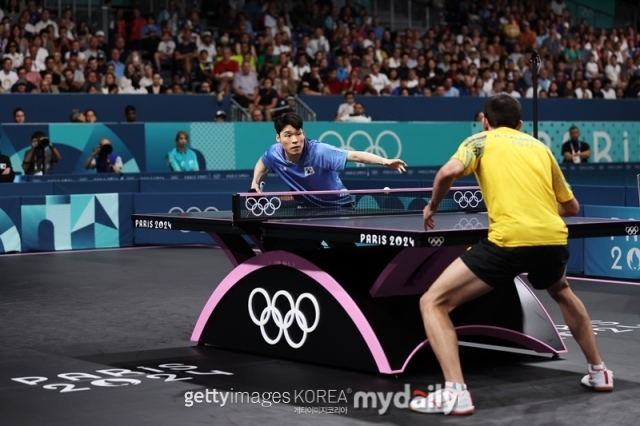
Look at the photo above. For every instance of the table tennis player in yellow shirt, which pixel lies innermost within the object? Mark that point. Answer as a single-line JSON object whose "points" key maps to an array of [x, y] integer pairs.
{"points": [[526, 197]]}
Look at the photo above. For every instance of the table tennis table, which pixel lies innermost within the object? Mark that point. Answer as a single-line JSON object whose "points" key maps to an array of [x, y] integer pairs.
{"points": [[339, 284]]}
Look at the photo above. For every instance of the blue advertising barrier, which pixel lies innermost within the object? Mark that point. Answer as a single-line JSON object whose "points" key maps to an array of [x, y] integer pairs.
{"points": [[632, 196], [171, 203], [616, 257], [76, 222], [10, 225], [600, 195], [229, 186], [26, 188], [97, 187]]}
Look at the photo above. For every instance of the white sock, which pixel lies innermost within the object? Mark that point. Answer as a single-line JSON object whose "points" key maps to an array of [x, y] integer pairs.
{"points": [[597, 367], [456, 386]]}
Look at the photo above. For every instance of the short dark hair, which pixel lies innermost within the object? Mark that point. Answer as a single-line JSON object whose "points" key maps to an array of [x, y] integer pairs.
{"points": [[503, 111], [574, 127], [288, 119], [129, 108], [38, 134], [17, 110]]}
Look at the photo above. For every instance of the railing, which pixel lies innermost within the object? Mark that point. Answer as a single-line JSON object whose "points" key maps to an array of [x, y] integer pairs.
{"points": [[304, 111], [238, 113], [399, 15]]}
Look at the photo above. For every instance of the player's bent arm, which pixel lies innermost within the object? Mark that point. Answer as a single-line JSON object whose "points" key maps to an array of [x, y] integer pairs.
{"points": [[569, 208], [259, 171], [445, 178]]}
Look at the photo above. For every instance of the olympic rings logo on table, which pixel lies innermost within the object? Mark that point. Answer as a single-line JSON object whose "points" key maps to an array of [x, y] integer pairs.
{"points": [[435, 241], [374, 147], [259, 206], [191, 210], [632, 230], [284, 322], [468, 198], [465, 223]]}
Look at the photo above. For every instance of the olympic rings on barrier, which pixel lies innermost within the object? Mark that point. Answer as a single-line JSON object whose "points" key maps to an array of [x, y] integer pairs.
{"points": [[191, 210], [263, 205], [632, 230], [468, 198], [284, 323], [465, 223]]}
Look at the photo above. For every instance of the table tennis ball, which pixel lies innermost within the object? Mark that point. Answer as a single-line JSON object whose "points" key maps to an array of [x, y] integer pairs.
{"points": [[386, 189]]}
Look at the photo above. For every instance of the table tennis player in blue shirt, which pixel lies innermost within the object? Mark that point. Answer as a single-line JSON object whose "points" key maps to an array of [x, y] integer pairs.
{"points": [[309, 165]]}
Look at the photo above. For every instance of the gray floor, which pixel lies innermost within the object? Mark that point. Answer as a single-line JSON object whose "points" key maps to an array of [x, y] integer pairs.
{"points": [[87, 312]]}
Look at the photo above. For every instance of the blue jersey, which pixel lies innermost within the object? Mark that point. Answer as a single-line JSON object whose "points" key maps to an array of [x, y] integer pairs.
{"points": [[183, 161], [317, 170]]}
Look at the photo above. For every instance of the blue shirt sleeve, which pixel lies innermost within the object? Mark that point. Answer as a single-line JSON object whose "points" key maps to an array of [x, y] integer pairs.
{"points": [[173, 163], [330, 157], [268, 157]]}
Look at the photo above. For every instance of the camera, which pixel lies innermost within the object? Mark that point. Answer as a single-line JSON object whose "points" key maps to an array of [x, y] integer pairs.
{"points": [[43, 143], [105, 150]]}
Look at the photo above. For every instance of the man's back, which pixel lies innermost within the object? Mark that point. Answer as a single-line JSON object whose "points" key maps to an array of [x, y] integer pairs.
{"points": [[521, 184]]}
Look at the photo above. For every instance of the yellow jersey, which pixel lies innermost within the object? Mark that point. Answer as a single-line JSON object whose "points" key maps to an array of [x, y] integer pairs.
{"points": [[522, 185]]}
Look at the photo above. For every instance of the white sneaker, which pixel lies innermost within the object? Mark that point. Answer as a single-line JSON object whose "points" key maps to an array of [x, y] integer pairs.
{"points": [[444, 401], [599, 380]]}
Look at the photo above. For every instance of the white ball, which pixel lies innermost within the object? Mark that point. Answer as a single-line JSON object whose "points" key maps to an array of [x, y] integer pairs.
{"points": [[386, 189]]}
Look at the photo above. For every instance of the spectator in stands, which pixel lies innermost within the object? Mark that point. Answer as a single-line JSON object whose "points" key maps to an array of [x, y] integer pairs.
{"points": [[185, 54], [7, 174], [479, 116], [130, 114], [42, 156], [256, 115], [221, 116], [574, 150], [346, 108], [156, 86], [358, 116], [267, 99], [19, 117], [91, 116], [246, 87], [182, 158], [7, 76], [77, 116], [69, 84], [103, 159]]}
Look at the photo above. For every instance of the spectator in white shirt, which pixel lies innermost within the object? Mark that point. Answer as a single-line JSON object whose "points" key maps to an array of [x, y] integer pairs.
{"points": [[346, 108], [319, 43], [358, 116], [165, 50], [558, 6], [283, 28], [14, 54], [583, 92], [612, 71], [279, 46], [7, 76], [301, 67], [378, 80], [209, 45], [45, 21], [511, 90], [607, 91]]}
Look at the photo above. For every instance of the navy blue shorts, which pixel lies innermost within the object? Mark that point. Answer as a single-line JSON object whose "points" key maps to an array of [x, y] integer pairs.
{"points": [[498, 266]]}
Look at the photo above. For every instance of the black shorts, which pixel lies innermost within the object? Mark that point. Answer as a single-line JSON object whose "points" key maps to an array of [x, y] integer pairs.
{"points": [[498, 266]]}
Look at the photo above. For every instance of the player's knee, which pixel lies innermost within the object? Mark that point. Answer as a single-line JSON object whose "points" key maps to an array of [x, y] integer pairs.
{"points": [[560, 290], [430, 301]]}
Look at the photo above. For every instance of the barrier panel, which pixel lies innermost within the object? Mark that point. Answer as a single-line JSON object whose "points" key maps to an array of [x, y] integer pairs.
{"points": [[10, 225], [237, 146], [617, 257]]}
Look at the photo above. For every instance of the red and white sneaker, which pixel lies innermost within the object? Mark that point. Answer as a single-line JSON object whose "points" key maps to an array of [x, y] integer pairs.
{"points": [[445, 401], [599, 380]]}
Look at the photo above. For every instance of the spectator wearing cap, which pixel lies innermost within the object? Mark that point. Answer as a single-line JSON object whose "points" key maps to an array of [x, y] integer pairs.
{"points": [[207, 43], [221, 116], [22, 77]]}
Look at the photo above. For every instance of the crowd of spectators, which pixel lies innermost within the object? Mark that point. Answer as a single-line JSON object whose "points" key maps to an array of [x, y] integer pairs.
{"points": [[265, 52]]}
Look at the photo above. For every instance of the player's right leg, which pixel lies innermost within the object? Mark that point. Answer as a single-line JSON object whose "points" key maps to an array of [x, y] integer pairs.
{"points": [[577, 319], [549, 265]]}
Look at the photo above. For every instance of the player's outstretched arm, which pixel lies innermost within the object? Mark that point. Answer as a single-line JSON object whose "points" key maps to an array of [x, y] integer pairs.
{"points": [[373, 159], [259, 172]]}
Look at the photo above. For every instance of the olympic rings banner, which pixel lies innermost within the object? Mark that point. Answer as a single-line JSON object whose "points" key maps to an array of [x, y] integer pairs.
{"points": [[617, 257]]}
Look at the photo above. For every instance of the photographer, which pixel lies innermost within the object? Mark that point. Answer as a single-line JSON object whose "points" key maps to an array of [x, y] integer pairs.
{"points": [[103, 159], [40, 159]]}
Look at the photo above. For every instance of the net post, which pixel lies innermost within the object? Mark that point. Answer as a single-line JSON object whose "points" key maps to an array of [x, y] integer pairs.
{"points": [[638, 177], [235, 207]]}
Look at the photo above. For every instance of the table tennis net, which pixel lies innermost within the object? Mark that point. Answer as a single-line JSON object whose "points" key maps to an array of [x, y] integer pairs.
{"points": [[269, 206]]}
